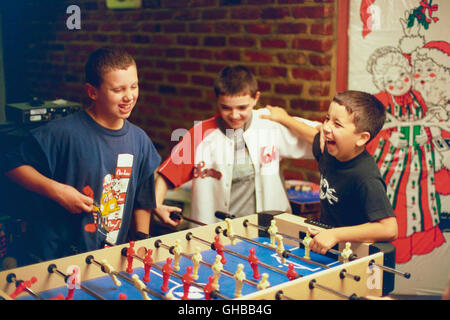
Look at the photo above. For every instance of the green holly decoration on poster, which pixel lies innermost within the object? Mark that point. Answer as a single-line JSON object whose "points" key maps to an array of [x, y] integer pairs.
{"points": [[423, 14]]}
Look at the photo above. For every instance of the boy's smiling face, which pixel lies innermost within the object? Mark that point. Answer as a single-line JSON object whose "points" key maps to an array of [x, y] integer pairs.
{"points": [[342, 140], [116, 97], [236, 111]]}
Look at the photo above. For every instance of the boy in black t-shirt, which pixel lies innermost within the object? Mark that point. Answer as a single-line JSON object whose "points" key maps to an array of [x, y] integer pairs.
{"points": [[353, 194]]}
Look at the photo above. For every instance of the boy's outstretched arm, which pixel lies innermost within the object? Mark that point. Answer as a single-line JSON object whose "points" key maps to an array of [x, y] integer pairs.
{"points": [[382, 230], [161, 210], [67, 196], [300, 128]]}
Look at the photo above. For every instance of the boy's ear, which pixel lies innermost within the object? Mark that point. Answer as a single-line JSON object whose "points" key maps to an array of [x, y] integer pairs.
{"points": [[91, 91], [364, 137], [257, 95]]}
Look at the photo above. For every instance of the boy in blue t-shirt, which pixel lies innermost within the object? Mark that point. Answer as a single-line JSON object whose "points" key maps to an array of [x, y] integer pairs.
{"points": [[353, 194], [93, 169]]}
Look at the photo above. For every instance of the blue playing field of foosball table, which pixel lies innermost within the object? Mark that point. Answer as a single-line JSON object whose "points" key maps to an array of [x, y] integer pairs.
{"points": [[105, 287]]}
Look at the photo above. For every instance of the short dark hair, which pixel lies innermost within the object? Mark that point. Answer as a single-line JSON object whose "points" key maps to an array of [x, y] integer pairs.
{"points": [[236, 80], [103, 60], [369, 114]]}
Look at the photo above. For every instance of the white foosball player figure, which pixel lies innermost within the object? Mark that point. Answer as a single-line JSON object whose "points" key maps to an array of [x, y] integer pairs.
{"points": [[217, 268], [239, 276], [196, 259], [264, 283], [230, 231], [177, 255], [280, 248], [346, 253], [110, 270], [140, 286], [273, 229], [306, 241]]}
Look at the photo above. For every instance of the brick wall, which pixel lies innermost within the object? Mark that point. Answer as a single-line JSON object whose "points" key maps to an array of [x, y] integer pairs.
{"points": [[180, 46]]}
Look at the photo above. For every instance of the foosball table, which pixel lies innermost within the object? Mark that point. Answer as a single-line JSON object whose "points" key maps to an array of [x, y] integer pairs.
{"points": [[261, 256]]}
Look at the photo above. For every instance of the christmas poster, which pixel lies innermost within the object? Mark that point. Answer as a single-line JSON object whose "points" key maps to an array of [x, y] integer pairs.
{"points": [[400, 52]]}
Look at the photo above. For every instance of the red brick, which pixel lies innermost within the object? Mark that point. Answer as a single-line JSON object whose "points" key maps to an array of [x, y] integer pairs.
{"points": [[109, 27], [153, 52], [187, 40], [292, 58], [264, 86], [202, 80], [258, 28], [174, 27], [322, 29], [245, 13], [153, 76], [214, 14], [163, 40], [189, 66], [311, 74], [320, 90], [175, 103], [272, 101], [322, 45], [257, 57], [200, 54], [270, 71], [164, 64], [273, 43], [233, 55], [227, 27], [215, 41], [286, 88], [178, 78], [313, 12], [175, 53], [291, 28], [200, 27], [150, 27], [275, 13], [213, 68], [310, 105], [291, 1], [190, 92], [241, 42], [201, 105], [320, 60]]}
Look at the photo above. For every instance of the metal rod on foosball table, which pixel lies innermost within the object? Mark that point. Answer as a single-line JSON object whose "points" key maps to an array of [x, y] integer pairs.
{"points": [[195, 284], [279, 295], [159, 243], [52, 268], [190, 236], [179, 216], [313, 284], [247, 223], [90, 259], [285, 253], [406, 275]]}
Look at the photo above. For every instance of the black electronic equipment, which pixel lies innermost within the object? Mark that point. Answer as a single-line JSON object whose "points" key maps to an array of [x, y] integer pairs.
{"points": [[36, 111]]}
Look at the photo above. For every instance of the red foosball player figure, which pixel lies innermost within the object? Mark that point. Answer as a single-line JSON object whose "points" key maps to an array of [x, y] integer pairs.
{"points": [[147, 265], [22, 286], [209, 288], [291, 273], [187, 280], [166, 270], [254, 263], [219, 248], [130, 254]]}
